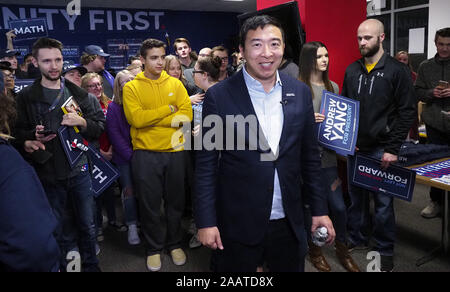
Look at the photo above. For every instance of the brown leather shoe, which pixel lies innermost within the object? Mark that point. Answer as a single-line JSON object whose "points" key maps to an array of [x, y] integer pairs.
{"points": [[345, 258], [317, 259]]}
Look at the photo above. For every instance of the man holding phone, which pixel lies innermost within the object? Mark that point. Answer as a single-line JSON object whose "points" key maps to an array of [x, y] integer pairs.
{"points": [[432, 87], [39, 116]]}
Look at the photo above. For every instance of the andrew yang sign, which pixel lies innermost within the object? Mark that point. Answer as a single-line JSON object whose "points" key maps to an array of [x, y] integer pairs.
{"points": [[29, 29], [339, 130]]}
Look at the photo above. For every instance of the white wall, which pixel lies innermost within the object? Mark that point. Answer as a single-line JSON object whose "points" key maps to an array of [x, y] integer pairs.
{"points": [[439, 17]]}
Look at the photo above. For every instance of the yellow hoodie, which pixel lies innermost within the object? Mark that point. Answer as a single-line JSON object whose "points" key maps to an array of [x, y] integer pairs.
{"points": [[146, 105]]}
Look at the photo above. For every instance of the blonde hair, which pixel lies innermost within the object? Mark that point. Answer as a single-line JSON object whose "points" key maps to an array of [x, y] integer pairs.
{"points": [[118, 89], [134, 67], [86, 58], [169, 59], [84, 84]]}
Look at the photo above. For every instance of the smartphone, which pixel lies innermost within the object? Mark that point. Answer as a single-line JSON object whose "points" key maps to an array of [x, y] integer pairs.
{"points": [[46, 132], [443, 84]]}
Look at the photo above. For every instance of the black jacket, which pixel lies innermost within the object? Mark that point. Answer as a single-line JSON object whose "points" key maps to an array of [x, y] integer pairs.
{"points": [[388, 104], [27, 222], [28, 115]]}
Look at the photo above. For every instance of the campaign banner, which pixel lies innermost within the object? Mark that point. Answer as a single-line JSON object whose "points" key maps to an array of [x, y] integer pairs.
{"points": [[97, 25], [74, 145], [20, 84], [339, 130], [396, 181], [29, 29], [435, 170], [71, 143], [103, 172]]}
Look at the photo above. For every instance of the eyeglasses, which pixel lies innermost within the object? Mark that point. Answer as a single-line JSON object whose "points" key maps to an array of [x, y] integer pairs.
{"points": [[95, 85], [9, 76], [198, 71]]}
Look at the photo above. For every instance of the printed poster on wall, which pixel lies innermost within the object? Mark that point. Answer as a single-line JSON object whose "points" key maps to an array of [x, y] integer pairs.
{"points": [[339, 130]]}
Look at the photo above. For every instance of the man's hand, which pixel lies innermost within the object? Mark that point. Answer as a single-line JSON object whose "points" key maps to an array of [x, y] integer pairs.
{"points": [[197, 98], [210, 237], [319, 117], [32, 145], [387, 159], [318, 221], [437, 92], [445, 92], [41, 137], [73, 119], [10, 35]]}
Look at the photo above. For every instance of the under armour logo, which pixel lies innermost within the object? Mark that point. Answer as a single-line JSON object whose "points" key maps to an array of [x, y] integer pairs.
{"points": [[379, 74]]}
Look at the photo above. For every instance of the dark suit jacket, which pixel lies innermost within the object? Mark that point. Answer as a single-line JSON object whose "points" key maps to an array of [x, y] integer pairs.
{"points": [[234, 188]]}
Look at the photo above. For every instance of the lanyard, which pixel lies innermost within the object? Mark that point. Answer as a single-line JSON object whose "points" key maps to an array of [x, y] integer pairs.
{"points": [[56, 101], [54, 104]]}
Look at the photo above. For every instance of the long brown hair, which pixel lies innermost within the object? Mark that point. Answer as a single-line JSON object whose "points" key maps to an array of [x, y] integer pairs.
{"points": [[7, 114], [308, 63]]}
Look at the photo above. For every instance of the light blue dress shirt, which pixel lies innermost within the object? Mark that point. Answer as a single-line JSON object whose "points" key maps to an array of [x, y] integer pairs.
{"points": [[269, 112]]}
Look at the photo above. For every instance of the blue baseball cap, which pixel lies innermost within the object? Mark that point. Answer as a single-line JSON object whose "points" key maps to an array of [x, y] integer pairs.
{"points": [[95, 50], [8, 53], [68, 66]]}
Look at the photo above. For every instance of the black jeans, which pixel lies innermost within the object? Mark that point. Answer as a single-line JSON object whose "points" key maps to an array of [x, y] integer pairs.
{"points": [[160, 176]]}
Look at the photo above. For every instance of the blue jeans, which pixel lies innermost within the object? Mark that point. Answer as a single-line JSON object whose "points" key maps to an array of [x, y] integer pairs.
{"points": [[359, 227], [72, 203], [128, 198], [336, 204], [105, 199]]}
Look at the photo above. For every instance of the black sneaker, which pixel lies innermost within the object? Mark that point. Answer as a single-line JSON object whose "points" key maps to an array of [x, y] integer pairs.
{"points": [[117, 227], [387, 263]]}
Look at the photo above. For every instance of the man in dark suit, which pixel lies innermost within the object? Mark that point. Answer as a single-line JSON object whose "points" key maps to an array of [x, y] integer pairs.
{"points": [[249, 203]]}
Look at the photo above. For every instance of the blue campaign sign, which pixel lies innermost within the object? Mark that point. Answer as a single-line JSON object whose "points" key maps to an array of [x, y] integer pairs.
{"points": [[69, 141], [74, 145], [103, 172], [20, 84], [339, 130], [29, 29], [396, 181]]}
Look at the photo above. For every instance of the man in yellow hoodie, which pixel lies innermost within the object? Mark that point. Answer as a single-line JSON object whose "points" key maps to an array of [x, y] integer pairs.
{"points": [[156, 105]]}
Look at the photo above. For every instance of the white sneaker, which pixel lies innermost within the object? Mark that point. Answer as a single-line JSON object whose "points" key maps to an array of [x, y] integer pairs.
{"points": [[133, 236], [432, 210]]}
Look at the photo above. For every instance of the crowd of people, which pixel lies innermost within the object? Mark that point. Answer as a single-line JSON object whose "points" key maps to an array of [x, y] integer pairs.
{"points": [[255, 214]]}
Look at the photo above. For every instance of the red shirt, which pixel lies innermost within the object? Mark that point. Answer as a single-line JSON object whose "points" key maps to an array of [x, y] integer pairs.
{"points": [[103, 140]]}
